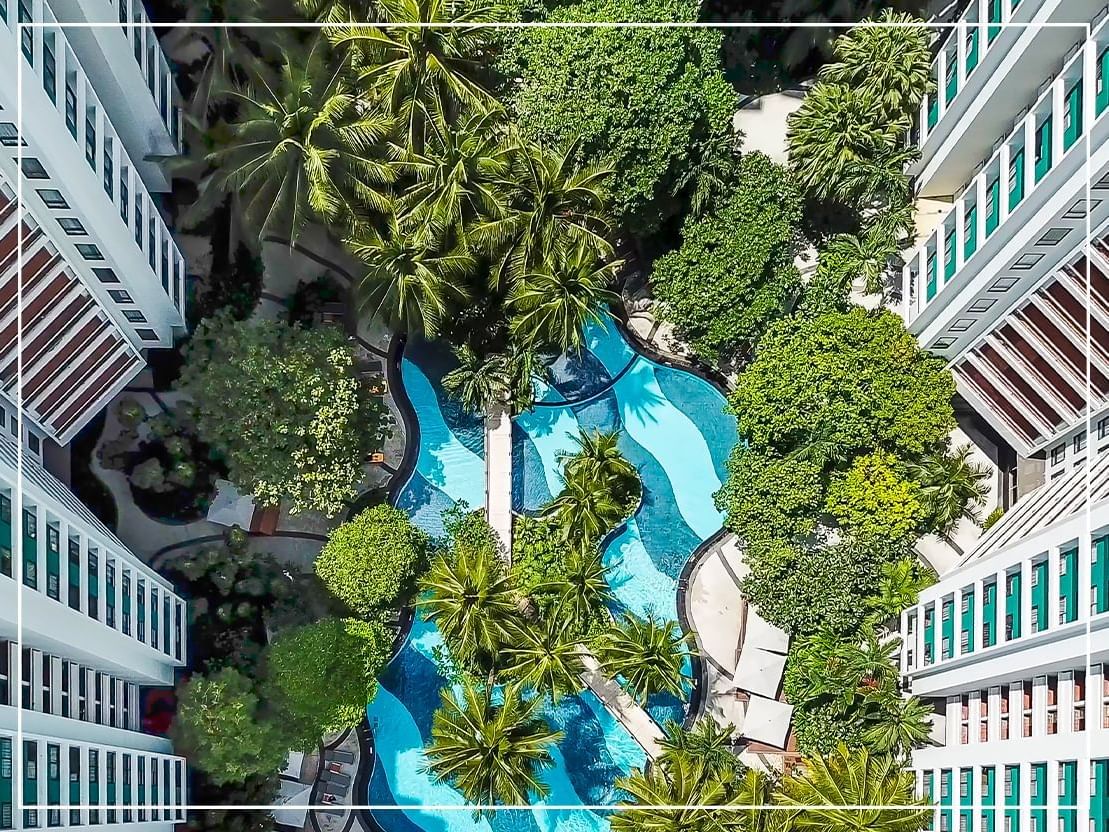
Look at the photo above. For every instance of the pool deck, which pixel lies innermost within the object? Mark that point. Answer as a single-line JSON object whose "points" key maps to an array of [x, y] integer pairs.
{"points": [[626, 710]]}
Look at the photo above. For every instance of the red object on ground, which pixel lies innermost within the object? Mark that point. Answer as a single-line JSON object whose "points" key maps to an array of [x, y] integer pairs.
{"points": [[264, 521]]}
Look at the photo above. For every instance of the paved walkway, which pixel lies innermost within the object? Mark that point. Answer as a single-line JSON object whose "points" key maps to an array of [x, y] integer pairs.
{"points": [[627, 711], [498, 475]]}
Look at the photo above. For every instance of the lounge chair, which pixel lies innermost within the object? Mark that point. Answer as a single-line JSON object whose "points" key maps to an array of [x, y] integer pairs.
{"points": [[335, 777], [334, 789], [338, 754]]}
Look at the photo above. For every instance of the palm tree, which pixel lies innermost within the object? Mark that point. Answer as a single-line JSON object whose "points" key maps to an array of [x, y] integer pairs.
{"points": [[838, 149], [422, 73], [583, 590], [302, 150], [874, 661], [585, 510], [337, 11], [545, 657], [684, 781], [471, 600], [756, 788], [553, 305], [899, 585], [553, 205], [896, 725], [867, 256], [953, 487], [478, 382], [707, 741], [598, 457], [894, 62], [650, 655], [458, 177], [856, 779], [492, 753], [407, 285]]}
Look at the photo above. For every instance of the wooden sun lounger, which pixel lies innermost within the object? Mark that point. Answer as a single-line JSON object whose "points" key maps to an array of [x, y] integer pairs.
{"points": [[334, 777], [338, 754], [334, 789]]}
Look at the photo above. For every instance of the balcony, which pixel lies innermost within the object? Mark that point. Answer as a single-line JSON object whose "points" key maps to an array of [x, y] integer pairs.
{"points": [[85, 595], [989, 66], [80, 175], [1021, 216]]}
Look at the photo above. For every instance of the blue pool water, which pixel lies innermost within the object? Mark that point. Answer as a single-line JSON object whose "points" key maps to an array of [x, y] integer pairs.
{"points": [[675, 432]]}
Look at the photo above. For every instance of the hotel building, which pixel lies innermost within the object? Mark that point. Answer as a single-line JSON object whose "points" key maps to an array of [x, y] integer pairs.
{"points": [[999, 285], [90, 278], [999, 645]]}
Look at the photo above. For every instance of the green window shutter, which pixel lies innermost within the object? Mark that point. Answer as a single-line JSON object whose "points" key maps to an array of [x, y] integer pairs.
{"points": [[972, 49], [30, 549], [966, 635], [5, 536], [53, 563], [947, 624], [1102, 84], [989, 614], [1072, 125], [970, 232], [1016, 179], [1012, 606], [1039, 597], [1068, 586], [1043, 148], [993, 206]]}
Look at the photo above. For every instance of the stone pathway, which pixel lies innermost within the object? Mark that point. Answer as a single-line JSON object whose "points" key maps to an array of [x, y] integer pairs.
{"points": [[498, 475]]}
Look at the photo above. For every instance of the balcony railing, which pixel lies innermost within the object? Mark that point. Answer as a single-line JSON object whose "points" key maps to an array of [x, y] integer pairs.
{"points": [[961, 52], [1066, 112], [61, 83]]}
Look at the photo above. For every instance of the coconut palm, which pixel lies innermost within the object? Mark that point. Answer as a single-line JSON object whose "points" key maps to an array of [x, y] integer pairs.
{"points": [[583, 590], [896, 725], [553, 304], [458, 177], [707, 741], [421, 73], [302, 150], [952, 487], [684, 781], [874, 660], [545, 657], [471, 600], [756, 788], [480, 382], [337, 11], [855, 779], [585, 509], [490, 751], [649, 654], [553, 206], [407, 285], [867, 256], [599, 458], [893, 61], [839, 149]]}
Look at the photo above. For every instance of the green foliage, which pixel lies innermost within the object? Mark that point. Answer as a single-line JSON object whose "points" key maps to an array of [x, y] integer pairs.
{"points": [[765, 495], [545, 657], [818, 729], [285, 409], [219, 726], [600, 489], [491, 752], [538, 559], [899, 586], [873, 501], [648, 654], [953, 487], [843, 384], [805, 586], [369, 560], [684, 784], [648, 102], [992, 518], [733, 273], [321, 675], [482, 382]]}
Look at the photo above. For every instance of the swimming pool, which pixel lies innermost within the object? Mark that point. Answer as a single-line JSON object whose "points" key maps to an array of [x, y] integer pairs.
{"points": [[675, 432]]}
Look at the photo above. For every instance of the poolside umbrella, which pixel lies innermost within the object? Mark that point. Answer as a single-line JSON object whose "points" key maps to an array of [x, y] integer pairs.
{"points": [[767, 721], [759, 671]]}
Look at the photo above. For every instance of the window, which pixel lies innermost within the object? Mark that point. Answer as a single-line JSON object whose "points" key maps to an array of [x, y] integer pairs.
{"points": [[89, 251], [109, 168], [72, 226], [49, 67], [9, 134], [28, 39], [124, 195], [1103, 428], [71, 103], [5, 653], [134, 316], [138, 220], [152, 248], [1080, 443], [105, 275], [90, 136], [120, 296], [33, 169], [1058, 453], [52, 198], [147, 334]]}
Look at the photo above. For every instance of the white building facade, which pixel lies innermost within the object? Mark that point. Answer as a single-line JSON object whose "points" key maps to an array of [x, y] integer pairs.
{"points": [[90, 277], [1001, 286], [102, 278], [999, 645]]}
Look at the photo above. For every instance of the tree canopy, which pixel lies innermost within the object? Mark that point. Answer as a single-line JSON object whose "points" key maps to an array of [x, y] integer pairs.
{"points": [[283, 406], [652, 103], [367, 561], [733, 272], [322, 675]]}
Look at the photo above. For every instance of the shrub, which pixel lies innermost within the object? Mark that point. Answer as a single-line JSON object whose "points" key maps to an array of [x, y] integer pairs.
{"points": [[367, 561], [649, 102], [733, 272], [322, 675], [538, 557], [873, 501], [219, 726], [765, 495], [284, 407]]}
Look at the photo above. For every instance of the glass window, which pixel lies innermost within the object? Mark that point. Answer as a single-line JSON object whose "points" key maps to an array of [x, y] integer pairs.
{"points": [[134, 316], [9, 133], [90, 136], [28, 37], [33, 169], [120, 296], [124, 195], [1058, 453], [105, 275], [109, 168], [71, 226], [49, 66], [89, 252], [147, 334], [52, 198]]}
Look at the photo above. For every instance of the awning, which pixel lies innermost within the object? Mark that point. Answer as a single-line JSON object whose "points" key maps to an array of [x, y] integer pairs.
{"points": [[759, 671], [767, 721]]}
